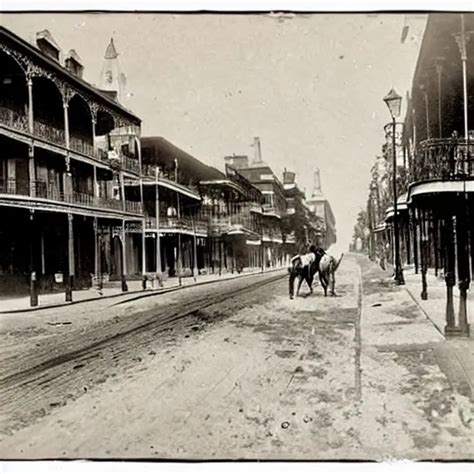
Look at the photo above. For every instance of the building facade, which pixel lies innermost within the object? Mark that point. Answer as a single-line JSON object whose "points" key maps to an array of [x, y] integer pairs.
{"points": [[274, 205], [435, 169], [67, 149], [86, 201]]}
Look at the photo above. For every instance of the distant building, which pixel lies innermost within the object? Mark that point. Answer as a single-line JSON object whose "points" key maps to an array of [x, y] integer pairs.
{"points": [[262, 177], [112, 80], [319, 205], [299, 223]]}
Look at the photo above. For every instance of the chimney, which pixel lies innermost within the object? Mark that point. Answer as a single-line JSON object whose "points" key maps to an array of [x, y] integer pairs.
{"points": [[237, 161], [257, 152], [288, 177]]}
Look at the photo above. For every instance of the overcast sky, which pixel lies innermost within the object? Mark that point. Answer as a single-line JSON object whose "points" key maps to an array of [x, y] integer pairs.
{"points": [[310, 87]]}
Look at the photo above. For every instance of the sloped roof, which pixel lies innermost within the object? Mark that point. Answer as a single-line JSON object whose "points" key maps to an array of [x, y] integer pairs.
{"points": [[161, 152]]}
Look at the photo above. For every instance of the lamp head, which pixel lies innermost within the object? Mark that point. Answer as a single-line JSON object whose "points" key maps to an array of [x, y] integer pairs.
{"points": [[394, 103]]}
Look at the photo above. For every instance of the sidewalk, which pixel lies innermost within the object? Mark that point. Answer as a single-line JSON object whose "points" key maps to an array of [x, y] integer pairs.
{"points": [[397, 318], [435, 306], [113, 289]]}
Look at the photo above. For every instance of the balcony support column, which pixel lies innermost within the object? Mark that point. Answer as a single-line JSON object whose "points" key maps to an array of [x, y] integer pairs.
{"points": [[450, 275], [195, 264], [157, 218], [31, 169], [33, 277], [124, 258], [464, 277], [462, 39], [233, 257], [435, 241], [407, 239], [144, 249], [31, 126], [66, 122], [220, 257], [71, 270], [29, 84], [415, 239], [424, 256], [43, 261], [93, 123], [67, 178], [97, 269], [96, 183]]}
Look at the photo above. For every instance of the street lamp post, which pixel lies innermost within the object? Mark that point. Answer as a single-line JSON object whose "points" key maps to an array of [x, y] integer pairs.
{"points": [[394, 102]]}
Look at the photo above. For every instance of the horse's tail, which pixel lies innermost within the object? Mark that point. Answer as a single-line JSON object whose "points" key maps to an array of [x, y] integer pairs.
{"points": [[339, 261]]}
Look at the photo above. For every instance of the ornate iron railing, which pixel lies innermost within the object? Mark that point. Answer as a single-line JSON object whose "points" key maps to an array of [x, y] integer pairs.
{"points": [[49, 133], [131, 164], [150, 172], [198, 224], [19, 121], [51, 192], [85, 148], [241, 216], [444, 158], [13, 119]]}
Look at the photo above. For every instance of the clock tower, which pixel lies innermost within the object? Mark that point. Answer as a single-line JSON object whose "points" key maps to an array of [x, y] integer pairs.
{"points": [[112, 79]]}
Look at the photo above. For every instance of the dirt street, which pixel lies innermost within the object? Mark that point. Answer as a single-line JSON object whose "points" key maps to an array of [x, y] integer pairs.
{"points": [[253, 375]]}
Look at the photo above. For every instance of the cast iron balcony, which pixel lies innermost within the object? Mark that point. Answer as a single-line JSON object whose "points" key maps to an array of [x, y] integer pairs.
{"points": [[18, 121], [49, 192], [183, 224], [13, 119], [445, 159]]}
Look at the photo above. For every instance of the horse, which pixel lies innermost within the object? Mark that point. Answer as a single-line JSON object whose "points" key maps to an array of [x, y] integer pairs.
{"points": [[305, 268], [327, 272]]}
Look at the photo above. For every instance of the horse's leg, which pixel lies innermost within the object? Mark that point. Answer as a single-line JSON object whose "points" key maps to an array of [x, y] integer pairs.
{"points": [[300, 282], [324, 284], [333, 284], [292, 282], [321, 280]]}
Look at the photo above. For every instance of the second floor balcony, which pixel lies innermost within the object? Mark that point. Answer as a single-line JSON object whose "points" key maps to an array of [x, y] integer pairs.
{"points": [[42, 190], [271, 211], [47, 132], [241, 220], [186, 225], [444, 159]]}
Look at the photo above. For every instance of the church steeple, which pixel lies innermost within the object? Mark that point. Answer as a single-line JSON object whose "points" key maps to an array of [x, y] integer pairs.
{"points": [[112, 79], [111, 52], [317, 191]]}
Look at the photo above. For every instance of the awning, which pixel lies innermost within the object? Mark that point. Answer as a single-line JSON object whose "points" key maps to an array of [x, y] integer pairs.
{"points": [[380, 228], [438, 187], [173, 186]]}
